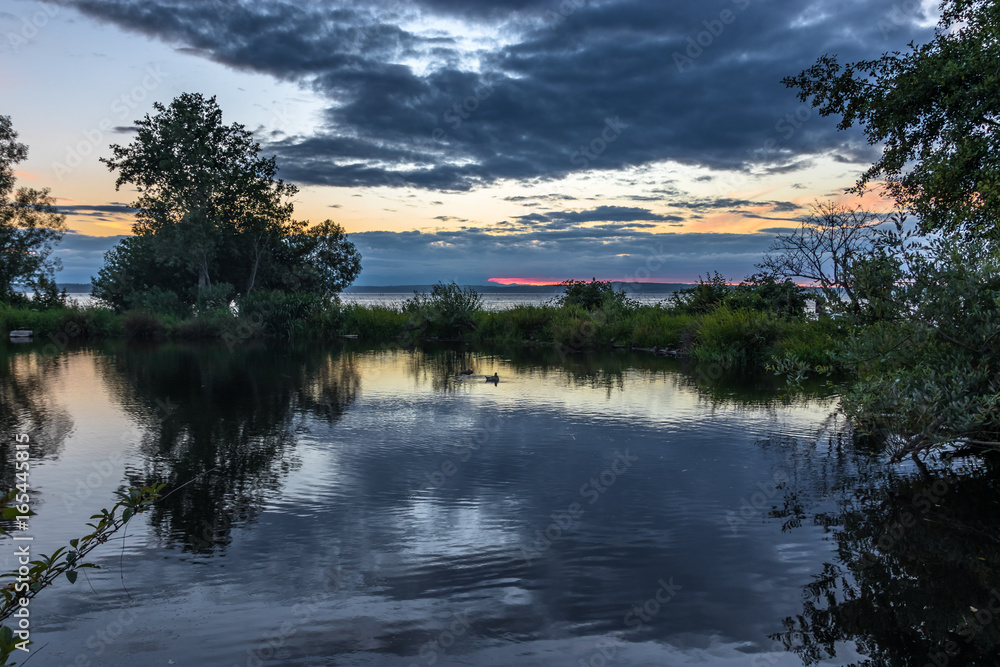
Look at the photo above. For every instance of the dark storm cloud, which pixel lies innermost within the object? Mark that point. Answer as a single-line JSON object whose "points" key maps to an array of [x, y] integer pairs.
{"points": [[601, 214], [576, 84], [728, 202], [101, 210]]}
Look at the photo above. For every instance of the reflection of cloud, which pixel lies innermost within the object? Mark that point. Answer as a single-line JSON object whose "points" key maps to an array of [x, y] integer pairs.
{"points": [[513, 93]]}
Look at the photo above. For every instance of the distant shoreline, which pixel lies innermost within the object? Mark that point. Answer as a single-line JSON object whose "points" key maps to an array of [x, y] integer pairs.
{"points": [[649, 288]]}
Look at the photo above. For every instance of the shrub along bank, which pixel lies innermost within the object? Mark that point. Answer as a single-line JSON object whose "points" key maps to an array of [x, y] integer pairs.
{"points": [[736, 325]]}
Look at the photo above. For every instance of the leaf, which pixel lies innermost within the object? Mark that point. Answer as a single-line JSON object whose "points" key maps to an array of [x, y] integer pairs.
{"points": [[71, 575], [127, 514]]}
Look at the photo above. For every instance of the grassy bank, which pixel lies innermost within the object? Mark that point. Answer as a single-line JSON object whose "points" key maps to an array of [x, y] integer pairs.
{"points": [[726, 333]]}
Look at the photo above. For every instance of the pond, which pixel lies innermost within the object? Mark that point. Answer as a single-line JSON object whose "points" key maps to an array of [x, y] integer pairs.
{"points": [[375, 507]]}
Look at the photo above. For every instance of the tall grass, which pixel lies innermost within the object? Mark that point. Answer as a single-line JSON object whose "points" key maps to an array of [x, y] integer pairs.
{"points": [[62, 324], [373, 322], [729, 335]]}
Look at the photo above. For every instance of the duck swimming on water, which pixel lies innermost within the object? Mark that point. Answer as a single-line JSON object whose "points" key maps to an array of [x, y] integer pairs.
{"points": [[493, 378]]}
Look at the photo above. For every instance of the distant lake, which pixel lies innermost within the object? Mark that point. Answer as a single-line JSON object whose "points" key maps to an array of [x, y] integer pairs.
{"points": [[491, 300], [374, 507]]}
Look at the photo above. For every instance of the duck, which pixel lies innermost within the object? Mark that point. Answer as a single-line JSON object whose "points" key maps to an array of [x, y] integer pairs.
{"points": [[466, 372], [493, 378]]}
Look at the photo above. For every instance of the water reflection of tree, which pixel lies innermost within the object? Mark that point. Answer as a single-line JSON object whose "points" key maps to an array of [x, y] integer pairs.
{"points": [[917, 579], [27, 406], [220, 426], [442, 364]]}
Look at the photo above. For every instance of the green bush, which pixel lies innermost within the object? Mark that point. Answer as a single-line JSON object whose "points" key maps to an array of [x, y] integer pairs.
{"points": [[575, 327], [143, 325], [207, 325], [516, 325], [656, 326], [812, 342], [765, 294], [707, 295], [736, 337], [281, 314], [446, 311], [217, 297], [62, 325], [158, 300], [593, 295], [373, 322]]}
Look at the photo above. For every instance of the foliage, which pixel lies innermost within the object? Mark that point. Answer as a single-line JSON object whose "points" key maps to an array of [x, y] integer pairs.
{"points": [[593, 295], [448, 309], [707, 295], [933, 111], [61, 326], [44, 571], [735, 337], [320, 261], [211, 210], [143, 325], [931, 379], [522, 323], [913, 581], [30, 227], [281, 314], [763, 293], [218, 296], [759, 292], [204, 189], [373, 322]]}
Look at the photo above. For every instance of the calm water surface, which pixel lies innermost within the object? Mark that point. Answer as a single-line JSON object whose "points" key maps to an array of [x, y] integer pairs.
{"points": [[490, 300], [374, 507]]}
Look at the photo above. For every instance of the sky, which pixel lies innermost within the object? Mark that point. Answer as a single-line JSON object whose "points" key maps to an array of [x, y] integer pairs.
{"points": [[504, 140]]}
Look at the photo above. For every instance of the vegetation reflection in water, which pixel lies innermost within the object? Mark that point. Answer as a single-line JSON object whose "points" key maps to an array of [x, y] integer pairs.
{"points": [[913, 580], [916, 579]]}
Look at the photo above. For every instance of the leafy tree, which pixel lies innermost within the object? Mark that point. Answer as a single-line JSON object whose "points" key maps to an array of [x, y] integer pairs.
{"points": [[936, 111], [931, 380], [30, 227], [204, 191], [762, 292], [135, 276], [593, 295], [212, 211], [710, 292], [318, 260], [825, 249]]}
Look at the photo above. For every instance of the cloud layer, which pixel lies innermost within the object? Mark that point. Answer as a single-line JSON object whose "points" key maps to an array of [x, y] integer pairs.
{"points": [[473, 256], [442, 94]]}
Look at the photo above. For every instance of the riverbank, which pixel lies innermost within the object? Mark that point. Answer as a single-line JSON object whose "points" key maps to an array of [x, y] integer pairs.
{"points": [[728, 335]]}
